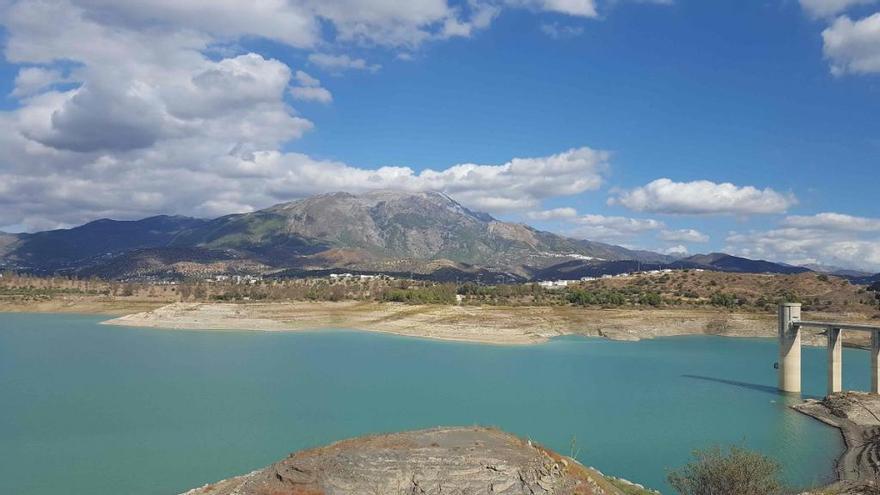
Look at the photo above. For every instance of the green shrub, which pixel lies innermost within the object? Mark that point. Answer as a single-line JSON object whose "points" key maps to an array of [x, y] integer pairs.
{"points": [[736, 471], [651, 299], [723, 299]]}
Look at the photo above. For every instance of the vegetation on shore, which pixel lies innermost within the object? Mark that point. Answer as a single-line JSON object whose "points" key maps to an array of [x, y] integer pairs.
{"points": [[685, 289], [735, 471]]}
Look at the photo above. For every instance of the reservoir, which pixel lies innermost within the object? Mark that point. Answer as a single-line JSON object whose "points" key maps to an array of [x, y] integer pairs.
{"points": [[104, 410]]}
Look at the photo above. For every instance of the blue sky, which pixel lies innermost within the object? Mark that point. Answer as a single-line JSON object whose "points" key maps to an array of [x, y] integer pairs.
{"points": [[763, 115]]}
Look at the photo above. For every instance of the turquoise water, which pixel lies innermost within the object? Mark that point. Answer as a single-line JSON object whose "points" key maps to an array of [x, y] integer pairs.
{"points": [[92, 409]]}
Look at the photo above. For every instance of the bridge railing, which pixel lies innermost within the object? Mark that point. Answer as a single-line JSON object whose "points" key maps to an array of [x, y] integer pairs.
{"points": [[790, 325]]}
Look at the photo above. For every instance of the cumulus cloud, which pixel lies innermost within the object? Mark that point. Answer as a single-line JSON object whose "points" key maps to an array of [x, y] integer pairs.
{"points": [[677, 250], [826, 238], [703, 198], [580, 8], [834, 222], [519, 184], [33, 80], [554, 214], [804, 246], [309, 89], [683, 235], [339, 63], [137, 108], [853, 47], [610, 228], [828, 8]]}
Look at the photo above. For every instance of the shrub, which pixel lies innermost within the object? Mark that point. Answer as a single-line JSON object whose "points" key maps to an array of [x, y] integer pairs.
{"points": [[736, 471], [723, 299], [651, 299]]}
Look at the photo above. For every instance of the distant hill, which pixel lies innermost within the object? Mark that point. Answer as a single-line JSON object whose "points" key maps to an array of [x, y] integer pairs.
{"points": [[838, 271], [727, 263], [57, 250], [420, 234]]}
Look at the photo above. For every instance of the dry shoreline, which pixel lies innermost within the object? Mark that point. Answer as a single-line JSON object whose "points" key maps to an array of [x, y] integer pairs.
{"points": [[857, 416], [480, 324], [504, 325]]}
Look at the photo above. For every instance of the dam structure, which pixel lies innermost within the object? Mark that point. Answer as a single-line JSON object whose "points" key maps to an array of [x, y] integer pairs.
{"points": [[790, 325]]}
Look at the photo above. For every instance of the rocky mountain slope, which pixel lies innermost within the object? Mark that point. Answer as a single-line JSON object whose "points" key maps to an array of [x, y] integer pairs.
{"points": [[379, 231], [382, 225], [442, 460], [423, 234]]}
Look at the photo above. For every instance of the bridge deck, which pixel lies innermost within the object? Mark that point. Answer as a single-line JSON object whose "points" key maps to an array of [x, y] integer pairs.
{"points": [[842, 326]]}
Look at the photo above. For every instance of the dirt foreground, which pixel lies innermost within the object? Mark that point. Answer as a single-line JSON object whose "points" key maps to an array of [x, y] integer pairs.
{"points": [[470, 460]]}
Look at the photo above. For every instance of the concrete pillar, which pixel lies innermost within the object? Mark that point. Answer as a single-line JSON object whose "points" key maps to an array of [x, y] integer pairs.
{"points": [[875, 362], [790, 348], [835, 356]]}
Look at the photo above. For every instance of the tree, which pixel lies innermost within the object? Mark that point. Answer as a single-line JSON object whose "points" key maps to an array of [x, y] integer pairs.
{"points": [[736, 471]]}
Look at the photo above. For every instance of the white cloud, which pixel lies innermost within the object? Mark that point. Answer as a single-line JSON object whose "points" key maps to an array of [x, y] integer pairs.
{"points": [[702, 198], [33, 80], [560, 31], [828, 8], [853, 46], [580, 8], [801, 246], [320, 95], [554, 214], [306, 80], [677, 250], [137, 108], [519, 184], [683, 235], [833, 239], [338, 63], [611, 229], [309, 89], [834, 222]]}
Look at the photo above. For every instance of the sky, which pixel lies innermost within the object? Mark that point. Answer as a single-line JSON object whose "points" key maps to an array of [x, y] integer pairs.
{"points": [[680, 126]]}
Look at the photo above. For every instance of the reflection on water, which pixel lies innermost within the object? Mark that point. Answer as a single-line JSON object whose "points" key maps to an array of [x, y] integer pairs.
{"points": [[136, 411]]}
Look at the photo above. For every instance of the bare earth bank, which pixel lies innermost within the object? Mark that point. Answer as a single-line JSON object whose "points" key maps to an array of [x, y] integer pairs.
{"points": [[440, 460], [483, 324], [857, 415]]}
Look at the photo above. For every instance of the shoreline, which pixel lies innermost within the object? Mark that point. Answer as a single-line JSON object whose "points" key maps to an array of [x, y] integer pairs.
{"points": [[500, 325], [476, 324], [485, 324], [856, 415]]}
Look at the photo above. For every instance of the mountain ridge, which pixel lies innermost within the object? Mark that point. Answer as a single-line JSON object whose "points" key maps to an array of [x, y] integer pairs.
{"points": [[382, 231]]}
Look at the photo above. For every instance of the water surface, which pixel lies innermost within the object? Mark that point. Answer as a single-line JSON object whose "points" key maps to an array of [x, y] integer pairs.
{"points": [[92, 409]]}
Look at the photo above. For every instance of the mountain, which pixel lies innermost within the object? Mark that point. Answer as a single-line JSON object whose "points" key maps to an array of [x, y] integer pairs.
{"points": [[56, 250], [376, 227], [727, 263], [865, 280], [419, 234], [837, 271]]}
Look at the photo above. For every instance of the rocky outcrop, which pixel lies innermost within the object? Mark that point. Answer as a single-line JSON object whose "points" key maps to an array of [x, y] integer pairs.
{"points": [[857, 414], [442, 460]]}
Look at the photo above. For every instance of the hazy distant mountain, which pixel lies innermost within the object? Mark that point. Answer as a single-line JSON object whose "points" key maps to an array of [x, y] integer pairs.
{"points": [[382, 231], [70, 248], [837, 271], [728, 263]]}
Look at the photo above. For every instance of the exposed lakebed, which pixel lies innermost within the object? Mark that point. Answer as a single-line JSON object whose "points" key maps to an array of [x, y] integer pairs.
{"points": [[94, 409]]}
